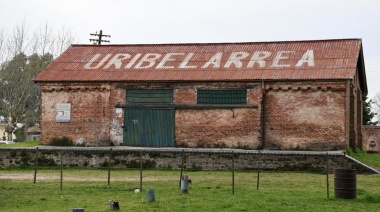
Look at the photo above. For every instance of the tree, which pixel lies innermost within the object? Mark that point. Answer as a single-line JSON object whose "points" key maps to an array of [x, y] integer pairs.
{"points": [[376, 103], [40, 42], [368, 114], [21, 59], [10, 92], [20, 95]]}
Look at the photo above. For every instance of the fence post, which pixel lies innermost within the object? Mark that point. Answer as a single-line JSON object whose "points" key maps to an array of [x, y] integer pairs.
{"points": [[183, 158], [233, 172], [344, 159], [61, 169], [141, 166], [35, 166], [109, 167], [258, 170], [327, 175]]}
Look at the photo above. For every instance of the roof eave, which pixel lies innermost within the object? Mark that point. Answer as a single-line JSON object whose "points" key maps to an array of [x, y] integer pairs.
{"points": [[361, 71], [173, 81]]}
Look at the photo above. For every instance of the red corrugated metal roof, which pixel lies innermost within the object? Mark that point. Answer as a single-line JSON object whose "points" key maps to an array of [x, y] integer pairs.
{"points": [[295, 60]]}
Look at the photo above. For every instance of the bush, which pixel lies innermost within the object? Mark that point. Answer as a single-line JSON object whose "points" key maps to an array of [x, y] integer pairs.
{"points": [[351, 152], [63, 141], [20, 134]]}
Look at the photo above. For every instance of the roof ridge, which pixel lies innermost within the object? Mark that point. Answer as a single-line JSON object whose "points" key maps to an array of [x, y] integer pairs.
{"points": [[220, 43]]}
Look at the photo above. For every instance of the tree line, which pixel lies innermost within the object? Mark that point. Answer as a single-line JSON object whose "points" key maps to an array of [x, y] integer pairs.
{"points": [[24, 54], [371, 110]]}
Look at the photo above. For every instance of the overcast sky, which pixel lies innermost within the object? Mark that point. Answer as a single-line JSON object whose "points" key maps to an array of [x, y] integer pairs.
{"points": [[207, 21]]}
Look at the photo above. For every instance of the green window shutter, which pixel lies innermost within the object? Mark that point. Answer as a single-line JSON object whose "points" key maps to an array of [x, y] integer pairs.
{"points": [[236, 96], [145, 96]]}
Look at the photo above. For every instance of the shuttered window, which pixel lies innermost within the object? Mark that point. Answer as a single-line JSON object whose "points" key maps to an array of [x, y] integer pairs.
{"points": [[146, 96], [235, 96]]}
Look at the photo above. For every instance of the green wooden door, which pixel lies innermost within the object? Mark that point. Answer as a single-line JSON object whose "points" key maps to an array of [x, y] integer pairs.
{"points": [[147, 121]]}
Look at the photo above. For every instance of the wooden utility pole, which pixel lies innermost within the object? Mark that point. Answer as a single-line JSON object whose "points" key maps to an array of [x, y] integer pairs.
{"points": [[100, 36]]}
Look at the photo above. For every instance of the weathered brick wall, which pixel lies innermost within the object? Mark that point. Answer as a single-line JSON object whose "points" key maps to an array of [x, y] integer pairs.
{"points": [[185, 96], [305, 116], [96, 121], [360, 120], [353, 142], [89, 117], [371, 133], [117, 97], [210, 127], [218, 127]]}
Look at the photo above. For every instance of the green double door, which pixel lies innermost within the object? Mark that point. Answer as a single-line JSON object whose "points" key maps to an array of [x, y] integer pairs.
{"points": [[149, 118]]}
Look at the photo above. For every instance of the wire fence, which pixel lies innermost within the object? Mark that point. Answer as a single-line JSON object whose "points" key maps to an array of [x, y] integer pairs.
{"points": [[183, 161]]}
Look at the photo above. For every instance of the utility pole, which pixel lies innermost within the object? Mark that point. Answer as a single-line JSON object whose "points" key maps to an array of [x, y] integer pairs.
{"points": [[100, 35]]}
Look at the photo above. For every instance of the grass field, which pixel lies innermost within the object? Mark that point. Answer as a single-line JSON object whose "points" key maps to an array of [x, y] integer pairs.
{"points": [[371, 159], [209, 191], [21, 144]]}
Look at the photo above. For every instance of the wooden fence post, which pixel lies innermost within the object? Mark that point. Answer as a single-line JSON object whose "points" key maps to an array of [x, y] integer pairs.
{"points": [[109, 167], [141, 167], [344, 159], [327, 175], [35, 166], [258, 171], [183, 158], [61, 169], [233, 172]]}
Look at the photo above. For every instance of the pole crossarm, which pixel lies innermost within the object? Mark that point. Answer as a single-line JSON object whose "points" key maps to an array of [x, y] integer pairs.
{"points": [[100, 36]]}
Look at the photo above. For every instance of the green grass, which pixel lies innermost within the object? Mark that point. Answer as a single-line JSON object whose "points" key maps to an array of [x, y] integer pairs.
{"points": [[21, 144], [209, 191], [371, 159]]}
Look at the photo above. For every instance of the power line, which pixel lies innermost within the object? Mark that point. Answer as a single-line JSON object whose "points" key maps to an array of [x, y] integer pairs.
{"points": [[100, 36]]}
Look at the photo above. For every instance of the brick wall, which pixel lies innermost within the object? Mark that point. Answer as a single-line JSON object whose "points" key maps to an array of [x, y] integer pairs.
{"points": [[90, 112], [291, 115], [371, 133], [210, 127], [218, 127], [305, 116]]}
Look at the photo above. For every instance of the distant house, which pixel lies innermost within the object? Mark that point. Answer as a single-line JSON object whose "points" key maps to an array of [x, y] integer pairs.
{"points": [[33, 133], [272, 95]]}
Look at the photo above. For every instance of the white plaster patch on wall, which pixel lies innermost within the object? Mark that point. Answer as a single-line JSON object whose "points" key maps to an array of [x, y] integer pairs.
{"points": [[119, 112], [63, 112], [116, 132], [320, 108]]}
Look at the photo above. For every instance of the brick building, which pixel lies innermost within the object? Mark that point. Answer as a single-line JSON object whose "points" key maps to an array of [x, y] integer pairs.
{"points": [[273, 95], [371, 138]]}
